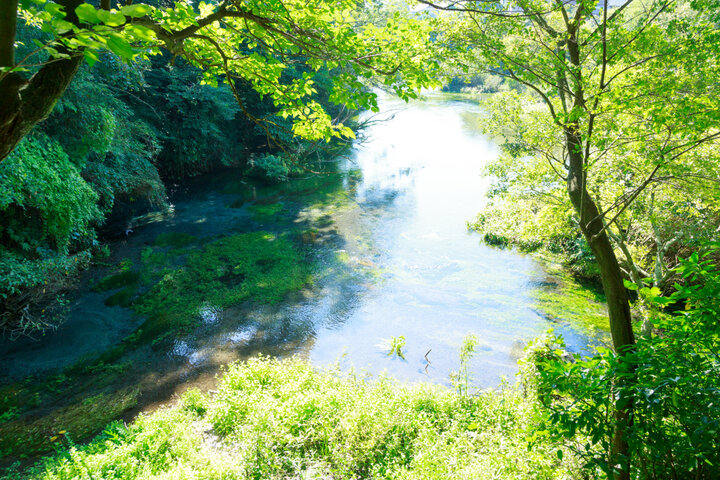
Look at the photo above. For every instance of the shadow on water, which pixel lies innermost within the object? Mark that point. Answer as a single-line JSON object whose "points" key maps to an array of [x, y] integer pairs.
{"points": [[383, 234]]}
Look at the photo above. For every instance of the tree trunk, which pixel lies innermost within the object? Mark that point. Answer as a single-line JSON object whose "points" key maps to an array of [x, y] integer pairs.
{"points": [[618, 305], [8, 27], [25, 103]]}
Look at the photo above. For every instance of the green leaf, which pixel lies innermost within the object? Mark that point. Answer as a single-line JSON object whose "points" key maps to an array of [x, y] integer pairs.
{"points": [[111, 19], [91, 57], [119, 46], [87, 13], [55, 10], [62, 26], [140, 32], [630, 285], [136, 10]]}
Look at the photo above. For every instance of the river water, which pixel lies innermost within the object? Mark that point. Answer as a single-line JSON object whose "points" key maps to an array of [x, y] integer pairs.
{"points": [[409, 267]]}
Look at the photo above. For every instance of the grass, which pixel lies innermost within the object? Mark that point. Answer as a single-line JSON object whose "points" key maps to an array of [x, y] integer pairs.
{"points": [[282, 419]]}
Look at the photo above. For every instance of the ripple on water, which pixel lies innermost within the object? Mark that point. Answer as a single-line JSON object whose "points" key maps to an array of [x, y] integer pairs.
{"points": [[194, 357], [242, 336], [209, 314]]}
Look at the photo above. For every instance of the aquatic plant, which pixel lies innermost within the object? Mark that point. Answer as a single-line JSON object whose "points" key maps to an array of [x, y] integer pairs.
{"points": [[123, 278], [263, 213], [174, 239], [396, 345], [255, 266]]}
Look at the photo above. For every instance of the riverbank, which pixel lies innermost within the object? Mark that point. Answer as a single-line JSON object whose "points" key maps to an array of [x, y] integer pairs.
{"points": [[286, 419]]}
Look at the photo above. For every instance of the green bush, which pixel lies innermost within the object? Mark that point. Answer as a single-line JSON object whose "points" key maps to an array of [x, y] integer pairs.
{"points": [[674, 384], [271, 167], [44, 202]]}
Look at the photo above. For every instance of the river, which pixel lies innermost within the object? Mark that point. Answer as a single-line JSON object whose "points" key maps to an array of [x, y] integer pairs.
{"points": [[393, 257]]}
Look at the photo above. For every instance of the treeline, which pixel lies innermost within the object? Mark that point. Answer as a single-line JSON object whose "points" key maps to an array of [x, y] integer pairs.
{"points": [[117, 135]]}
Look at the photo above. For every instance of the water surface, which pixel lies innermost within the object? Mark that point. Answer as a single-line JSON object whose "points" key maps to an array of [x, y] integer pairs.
{"points": [[395, 259]]}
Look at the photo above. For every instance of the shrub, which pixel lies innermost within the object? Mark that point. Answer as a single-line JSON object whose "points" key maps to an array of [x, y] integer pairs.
{"points": [[674, 387]]}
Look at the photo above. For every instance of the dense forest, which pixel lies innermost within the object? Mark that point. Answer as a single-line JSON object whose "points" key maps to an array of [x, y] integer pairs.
{"points": [[604, 121]]}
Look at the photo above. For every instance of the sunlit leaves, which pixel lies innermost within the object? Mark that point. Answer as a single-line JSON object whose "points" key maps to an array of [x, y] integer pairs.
{"points": [[257, 42], [87, 13], [136, 10], [119, 46]]}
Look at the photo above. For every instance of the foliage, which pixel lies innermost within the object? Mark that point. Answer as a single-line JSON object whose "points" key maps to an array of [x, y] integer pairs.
{"points": [[271, 167], [479, 82], [255, 43], [529, 207], [284, 419], [44, 202], [675, 392], [44, 221], [195, 123], [120, 130]]}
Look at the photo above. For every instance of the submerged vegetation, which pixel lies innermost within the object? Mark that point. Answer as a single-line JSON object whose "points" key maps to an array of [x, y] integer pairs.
{"points": [[563, 297], [171, 287]]}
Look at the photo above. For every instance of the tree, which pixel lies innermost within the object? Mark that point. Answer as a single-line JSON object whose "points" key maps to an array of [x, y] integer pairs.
{"points": [[231, 41], [631, 88]]}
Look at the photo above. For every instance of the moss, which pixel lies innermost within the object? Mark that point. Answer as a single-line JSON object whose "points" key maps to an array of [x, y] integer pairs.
{"points": [[174, 240], [123, 278], [29, 436], [254, 266]]}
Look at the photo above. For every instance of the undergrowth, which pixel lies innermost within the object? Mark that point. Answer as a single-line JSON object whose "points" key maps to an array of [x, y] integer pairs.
{"points": [[273, 419]]}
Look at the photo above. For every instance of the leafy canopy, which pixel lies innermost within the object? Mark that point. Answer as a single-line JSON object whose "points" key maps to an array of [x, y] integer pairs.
{"points": [[255, 42]]}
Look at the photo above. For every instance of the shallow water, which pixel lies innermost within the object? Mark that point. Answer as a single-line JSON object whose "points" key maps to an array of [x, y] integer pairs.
{"points": [[398, 260]]}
